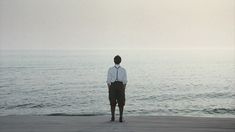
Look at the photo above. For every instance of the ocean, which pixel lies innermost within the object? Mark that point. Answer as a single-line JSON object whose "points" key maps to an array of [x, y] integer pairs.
{"points": [[160, 82]]}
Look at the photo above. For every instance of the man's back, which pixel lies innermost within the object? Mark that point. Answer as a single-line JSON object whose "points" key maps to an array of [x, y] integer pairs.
{"points": [[117, 73]]}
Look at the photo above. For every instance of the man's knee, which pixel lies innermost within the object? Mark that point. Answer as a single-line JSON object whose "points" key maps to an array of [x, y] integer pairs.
{"points": [[113, 103], [121, 103]]}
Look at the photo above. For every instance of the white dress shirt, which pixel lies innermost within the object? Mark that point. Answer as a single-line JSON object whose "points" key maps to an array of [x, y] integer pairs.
{"points": [[117, 73]]}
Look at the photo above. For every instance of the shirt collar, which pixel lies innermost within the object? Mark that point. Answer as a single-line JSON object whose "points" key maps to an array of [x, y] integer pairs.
{"points": [[117, 65]]}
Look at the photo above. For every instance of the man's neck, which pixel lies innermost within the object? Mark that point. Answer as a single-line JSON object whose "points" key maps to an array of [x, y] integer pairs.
{"points": [[117, 65]]}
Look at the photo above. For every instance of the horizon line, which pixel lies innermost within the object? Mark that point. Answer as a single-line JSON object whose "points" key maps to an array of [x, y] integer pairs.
{"points": [[57, 49]]}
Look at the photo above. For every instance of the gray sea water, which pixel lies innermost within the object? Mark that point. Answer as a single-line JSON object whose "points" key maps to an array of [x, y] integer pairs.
{"points": [[160, 82]]}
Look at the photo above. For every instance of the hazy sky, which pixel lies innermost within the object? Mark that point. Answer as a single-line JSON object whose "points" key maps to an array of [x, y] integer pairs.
{"points": [[116, 24]]}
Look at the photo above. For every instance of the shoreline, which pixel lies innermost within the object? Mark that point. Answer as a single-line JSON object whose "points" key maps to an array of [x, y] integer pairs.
{"points": [[26, 123], [117, 115], [126, 115]]}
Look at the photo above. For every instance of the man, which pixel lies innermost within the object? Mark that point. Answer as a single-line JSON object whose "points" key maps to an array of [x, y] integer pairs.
{"points": [[116, 81]]}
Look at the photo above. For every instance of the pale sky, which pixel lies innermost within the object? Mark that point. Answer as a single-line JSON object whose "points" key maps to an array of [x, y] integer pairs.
{"points": [[117, 24]]}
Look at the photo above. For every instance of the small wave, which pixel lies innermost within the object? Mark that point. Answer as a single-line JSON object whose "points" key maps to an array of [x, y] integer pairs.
{"points": [[166, 97], [215, 95], [17, 67], [38, 106], [30, 105], [4, 86], [20, 106], [216, 111], [219, 111], [66, 114]]}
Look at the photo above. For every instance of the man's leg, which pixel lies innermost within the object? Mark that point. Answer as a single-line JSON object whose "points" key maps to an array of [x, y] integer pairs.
{"points": [[121, 112], [113, 112], [121, 102], [112, 100]]}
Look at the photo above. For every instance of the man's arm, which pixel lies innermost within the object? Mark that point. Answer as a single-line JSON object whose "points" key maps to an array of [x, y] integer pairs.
{"points": [[108, 79], [108, 85], [125, 79]]}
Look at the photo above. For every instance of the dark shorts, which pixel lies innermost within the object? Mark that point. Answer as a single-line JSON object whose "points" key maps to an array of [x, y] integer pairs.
{"points": [[117, 94]]}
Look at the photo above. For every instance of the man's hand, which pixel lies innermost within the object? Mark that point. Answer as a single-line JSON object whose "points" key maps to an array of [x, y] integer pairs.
{"points": [[124, 86], [108, 86]]}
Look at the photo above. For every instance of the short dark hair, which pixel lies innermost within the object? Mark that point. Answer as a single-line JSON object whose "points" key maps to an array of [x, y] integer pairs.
{"points": [[117, 59]]}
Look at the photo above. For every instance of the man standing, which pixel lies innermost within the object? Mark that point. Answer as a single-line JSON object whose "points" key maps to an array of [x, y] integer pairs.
{"points": [[116, 81]]}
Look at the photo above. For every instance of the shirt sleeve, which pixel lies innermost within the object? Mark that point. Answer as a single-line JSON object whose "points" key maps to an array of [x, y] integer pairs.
{"points": [[125, 77], [108, 77]]}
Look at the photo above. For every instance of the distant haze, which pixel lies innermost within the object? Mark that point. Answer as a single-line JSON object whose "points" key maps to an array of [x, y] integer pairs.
{"points": [[117, 24]]}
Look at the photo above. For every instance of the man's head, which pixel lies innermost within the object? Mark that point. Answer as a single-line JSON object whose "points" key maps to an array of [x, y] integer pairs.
{"points": [[117, 59]]}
